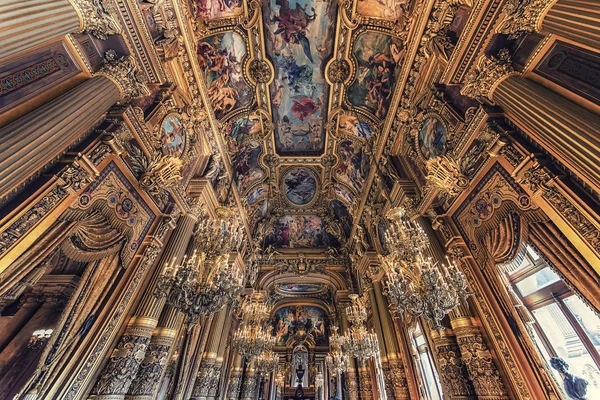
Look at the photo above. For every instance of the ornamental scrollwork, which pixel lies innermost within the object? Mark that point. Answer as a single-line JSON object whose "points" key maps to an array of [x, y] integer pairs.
{"points": [[480, 365], [125, 73], [95, 18], [481, 83], [522, 16], [446, 175]]}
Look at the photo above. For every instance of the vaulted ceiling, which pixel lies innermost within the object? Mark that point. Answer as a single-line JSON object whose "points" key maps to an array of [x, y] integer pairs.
{"points": [[303, 93]]}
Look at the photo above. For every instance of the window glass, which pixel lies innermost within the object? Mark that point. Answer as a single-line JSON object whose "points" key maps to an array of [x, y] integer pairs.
{"points": [[567, 345], [431, 382], [537, 281]]}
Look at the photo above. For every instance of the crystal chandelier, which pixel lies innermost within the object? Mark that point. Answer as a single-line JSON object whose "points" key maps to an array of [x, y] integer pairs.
{"points": [[319, 380], [337, 361], [253, 337], [205, 282], [416, 285], [359, 342], [266, 362], [198, 287]]}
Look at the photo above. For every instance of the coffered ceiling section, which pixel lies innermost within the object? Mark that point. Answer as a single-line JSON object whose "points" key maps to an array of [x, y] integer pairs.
{"points": [[300, 91]]}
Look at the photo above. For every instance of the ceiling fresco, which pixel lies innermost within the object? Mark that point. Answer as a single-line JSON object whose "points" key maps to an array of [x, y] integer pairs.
{"points": [[301, 91], [299, 38]]}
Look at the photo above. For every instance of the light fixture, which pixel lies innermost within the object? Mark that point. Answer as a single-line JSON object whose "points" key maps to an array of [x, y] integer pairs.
{"points": [[417, 286], [253, 337], [205, 282], [336, 360], [358, 342]]}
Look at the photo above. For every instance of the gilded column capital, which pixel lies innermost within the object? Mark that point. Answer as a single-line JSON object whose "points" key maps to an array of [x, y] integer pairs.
{"points": [[481, 83], [125, 74], [94, 18], [523, 16]]}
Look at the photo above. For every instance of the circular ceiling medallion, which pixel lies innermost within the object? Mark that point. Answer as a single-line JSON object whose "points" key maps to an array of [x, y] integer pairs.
{"points": [[300, 185]]}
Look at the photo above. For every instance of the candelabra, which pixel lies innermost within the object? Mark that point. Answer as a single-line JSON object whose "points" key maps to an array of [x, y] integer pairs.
{"points": [[253, 337], [415, 284], [319, 380], [265, 363]]}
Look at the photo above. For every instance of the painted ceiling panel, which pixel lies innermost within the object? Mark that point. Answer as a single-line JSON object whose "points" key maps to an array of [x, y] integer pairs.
{"points": [[299, 41]]}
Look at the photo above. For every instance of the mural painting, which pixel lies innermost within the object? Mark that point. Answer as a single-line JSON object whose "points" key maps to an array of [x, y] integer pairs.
{"points": [[300, 231], [257, 193], [241, 128], [341, 213], [300, 186], [299, 41], [215, 9], [350, 125], [172, 136], [220, 56], [379, 57], [300, 288], [247, 170], [343, 193], [256, 214], [302, 321], [388, 9], [432, 138], [354, 165]]}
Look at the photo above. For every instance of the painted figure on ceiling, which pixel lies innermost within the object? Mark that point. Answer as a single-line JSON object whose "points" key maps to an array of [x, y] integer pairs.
{"points": [[292, 24]]}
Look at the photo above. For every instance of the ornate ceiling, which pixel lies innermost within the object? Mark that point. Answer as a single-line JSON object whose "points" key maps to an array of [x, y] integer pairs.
{"points": [[303, 93]]}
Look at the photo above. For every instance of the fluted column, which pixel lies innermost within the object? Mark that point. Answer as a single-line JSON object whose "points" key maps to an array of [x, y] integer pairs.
{"points": [[394, 372], [28, 23], [133, 347], [576, 20], [235, 379], [37, 139], [207, 378], [452, 371], [565, 130]]}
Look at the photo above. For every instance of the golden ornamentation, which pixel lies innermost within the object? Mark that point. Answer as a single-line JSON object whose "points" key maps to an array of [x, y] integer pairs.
{"points": [[260, 71], [481, 83], [95, 19], [125, 74], [523, 16], [446, 175], [338, 71]]}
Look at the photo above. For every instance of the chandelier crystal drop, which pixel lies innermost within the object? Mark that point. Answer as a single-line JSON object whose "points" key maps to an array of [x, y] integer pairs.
{"points": [[417, 286], [253, 337]]}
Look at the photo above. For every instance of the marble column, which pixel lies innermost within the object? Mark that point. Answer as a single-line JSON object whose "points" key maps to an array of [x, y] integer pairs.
{"points": [[34, 141], [249, 383], [564, 129], [28, 23], [576, 20], [133, 347]]}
